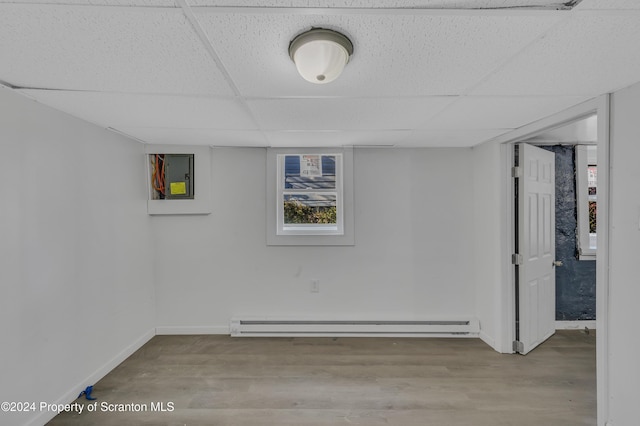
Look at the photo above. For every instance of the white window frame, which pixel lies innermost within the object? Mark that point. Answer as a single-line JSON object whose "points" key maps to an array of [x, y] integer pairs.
{"points": [[342, 233], [310, 228], [585, 156]]}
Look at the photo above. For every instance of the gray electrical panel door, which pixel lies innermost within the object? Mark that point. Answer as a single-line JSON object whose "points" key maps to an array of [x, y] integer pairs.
{"points": [[178, 169]]}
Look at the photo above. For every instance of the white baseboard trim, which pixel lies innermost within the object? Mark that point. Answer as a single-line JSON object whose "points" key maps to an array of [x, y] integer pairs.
{"points": [[105, 369], [488, 340], [196, 329], [576, 325], [255, 326]]}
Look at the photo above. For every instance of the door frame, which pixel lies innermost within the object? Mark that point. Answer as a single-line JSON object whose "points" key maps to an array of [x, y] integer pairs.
{"points": [[601, 107]]}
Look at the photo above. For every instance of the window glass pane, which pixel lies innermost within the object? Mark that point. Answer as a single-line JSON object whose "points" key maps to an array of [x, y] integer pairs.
{"points": [[592, 179], [593, 184], [310, 172], [586, 179], [309, 208], [592, 223]]}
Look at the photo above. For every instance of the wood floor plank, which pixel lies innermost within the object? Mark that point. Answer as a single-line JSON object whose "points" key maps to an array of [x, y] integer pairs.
{"points": [[218, 380]]}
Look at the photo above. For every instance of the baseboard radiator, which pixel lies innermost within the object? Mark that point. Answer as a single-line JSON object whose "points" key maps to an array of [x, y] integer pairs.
{"points": [[274, 327]]}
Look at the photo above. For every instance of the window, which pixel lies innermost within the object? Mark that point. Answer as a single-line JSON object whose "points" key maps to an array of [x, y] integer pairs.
{"points": [[310, 194], [587, 200], [311, 199]]}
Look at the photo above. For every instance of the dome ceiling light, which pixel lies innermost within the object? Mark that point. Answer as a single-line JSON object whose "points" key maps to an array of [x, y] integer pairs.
{"points": [[320, 54]]}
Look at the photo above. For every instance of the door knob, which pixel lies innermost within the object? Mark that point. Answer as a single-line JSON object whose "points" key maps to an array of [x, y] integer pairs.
{"points": [[557, 263]]}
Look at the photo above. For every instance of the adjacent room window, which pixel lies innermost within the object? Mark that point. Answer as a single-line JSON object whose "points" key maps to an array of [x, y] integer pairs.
{"points": [[587, 200], [310, 196]]}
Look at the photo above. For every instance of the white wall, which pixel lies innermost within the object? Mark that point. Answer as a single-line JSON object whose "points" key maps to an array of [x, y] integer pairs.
{"points": [[487, 241], [413, 255], [624, 245], [78, 262], [76, 258]]}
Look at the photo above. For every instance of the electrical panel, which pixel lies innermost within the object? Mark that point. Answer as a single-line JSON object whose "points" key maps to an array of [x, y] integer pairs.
{"points": [[179, 179], [172, 176]]}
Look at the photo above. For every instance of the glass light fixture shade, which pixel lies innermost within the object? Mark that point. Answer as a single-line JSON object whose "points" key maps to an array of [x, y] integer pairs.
{"points": [[320, 55]]}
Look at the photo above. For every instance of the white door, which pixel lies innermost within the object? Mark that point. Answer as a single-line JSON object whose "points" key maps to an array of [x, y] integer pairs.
{"points": [[536, 247]]}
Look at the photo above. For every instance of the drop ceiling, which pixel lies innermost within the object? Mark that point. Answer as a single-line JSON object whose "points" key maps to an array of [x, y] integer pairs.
{"points": [[430, 73]]}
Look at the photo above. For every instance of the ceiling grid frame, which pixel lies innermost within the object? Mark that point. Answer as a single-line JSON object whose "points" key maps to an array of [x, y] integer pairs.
{"points": [[506, 61], [195, 24], [375, 123]]}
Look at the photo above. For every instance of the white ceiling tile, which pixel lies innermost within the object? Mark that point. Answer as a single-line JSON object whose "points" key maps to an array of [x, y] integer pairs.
{"points": [[345, 113], [394, 55], [145, 3], [211, 137], [304, 138], [120, 49], [398, 138], [409, 70], [450, 138], [133, 110], [374, 138], [609, 4], [498, 113], [335, 138], [587, 55]]}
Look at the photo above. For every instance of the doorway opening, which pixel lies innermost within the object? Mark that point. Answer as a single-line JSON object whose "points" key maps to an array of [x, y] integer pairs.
{"points": [[600, 109], [572, 304]]}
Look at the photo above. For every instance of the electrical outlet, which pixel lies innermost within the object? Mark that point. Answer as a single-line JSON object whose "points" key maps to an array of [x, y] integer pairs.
{"points": [[315, 286]]}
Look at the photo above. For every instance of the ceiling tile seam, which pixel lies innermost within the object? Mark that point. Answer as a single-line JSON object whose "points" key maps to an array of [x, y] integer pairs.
{"points": [[95, 123], [439, 111], [498, 67], [534, 96], [202, 35], [467, 130], [517, 54], [126, 135], [390, 130], [216, 129], [265, 138], [372, 145], [85, 5], [480, 140], [240, 147], [338, 97], [396, 11], [462, 129], [410, 97], [117, 92]]}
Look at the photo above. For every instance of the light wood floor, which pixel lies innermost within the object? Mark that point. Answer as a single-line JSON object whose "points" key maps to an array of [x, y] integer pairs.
{"points": [[218, 380]]}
